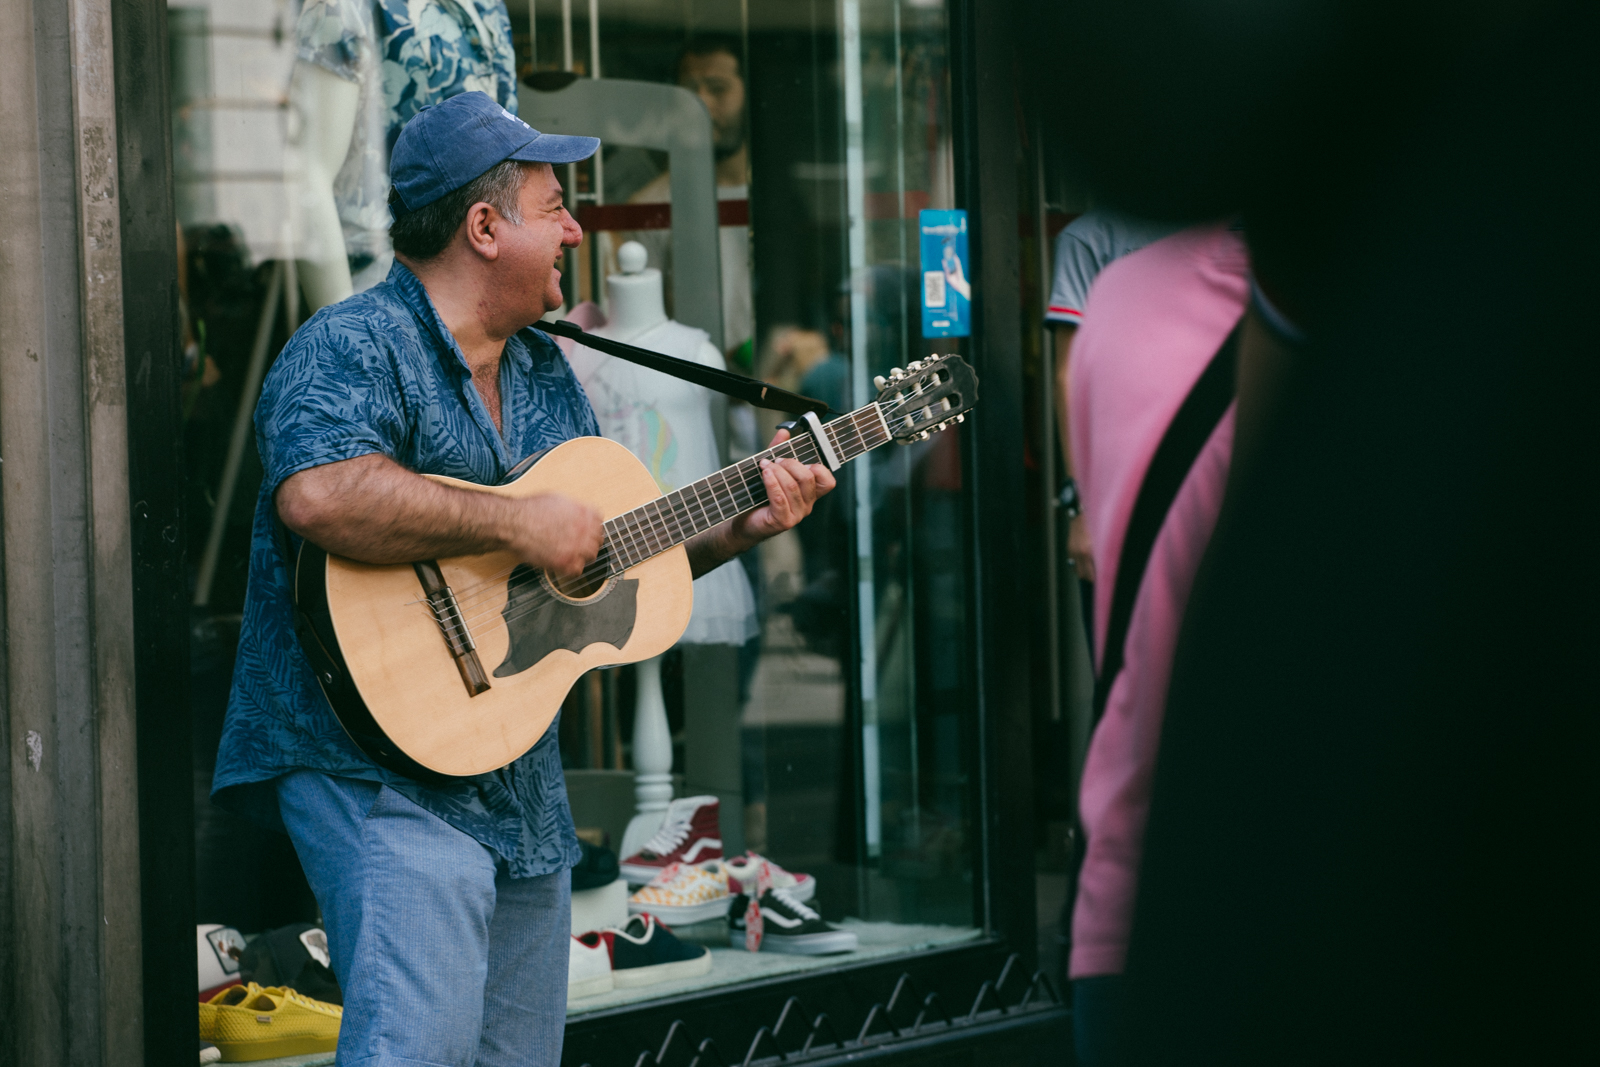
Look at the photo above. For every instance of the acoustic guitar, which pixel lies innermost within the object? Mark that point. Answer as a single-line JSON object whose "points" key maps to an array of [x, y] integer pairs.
{"points": [[454, 667]]}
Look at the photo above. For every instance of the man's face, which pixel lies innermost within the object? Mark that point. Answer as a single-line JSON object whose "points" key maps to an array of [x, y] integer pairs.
{"points": [[530, 254], [715, 80]]}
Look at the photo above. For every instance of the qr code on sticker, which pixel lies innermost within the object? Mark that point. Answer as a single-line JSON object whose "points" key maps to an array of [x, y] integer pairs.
{"points": [[933, 288]]}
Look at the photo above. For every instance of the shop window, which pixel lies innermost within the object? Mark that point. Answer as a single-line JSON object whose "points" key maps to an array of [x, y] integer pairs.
{"points": [[822, 700]]}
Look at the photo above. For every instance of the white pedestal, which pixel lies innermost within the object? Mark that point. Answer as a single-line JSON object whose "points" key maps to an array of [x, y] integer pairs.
{"points": [[652, 758], [596, 909]]}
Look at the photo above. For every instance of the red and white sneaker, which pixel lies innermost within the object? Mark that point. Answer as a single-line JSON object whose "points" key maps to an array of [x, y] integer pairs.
{"points": [[690, 834], [744, 872]]}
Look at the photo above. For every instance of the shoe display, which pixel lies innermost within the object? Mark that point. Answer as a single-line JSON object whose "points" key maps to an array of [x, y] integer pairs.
{"points": [[597, 868], [685, 893], [783, 924], [744, 876], [265, 1024], [295, 957], [588, 967], [230, 997], [690, 834], [220, 948], [645, 952]]}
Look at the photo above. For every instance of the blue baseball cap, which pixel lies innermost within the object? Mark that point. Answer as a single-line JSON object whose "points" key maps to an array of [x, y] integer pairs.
{"points": [[444, 146]]}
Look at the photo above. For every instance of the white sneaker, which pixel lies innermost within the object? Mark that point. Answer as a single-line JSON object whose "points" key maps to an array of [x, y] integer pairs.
{"points": [[744, 876], [588, 967], [685, 893]]}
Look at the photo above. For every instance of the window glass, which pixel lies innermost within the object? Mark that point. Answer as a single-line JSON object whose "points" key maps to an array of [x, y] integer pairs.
{"points": [[773, 173]]}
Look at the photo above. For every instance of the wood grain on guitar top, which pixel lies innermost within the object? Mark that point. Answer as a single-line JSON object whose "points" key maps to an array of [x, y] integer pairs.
{"points": [[402, 666]]}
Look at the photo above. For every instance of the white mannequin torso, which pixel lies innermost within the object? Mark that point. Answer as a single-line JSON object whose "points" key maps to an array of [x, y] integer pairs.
{"points": [[666, 423]]}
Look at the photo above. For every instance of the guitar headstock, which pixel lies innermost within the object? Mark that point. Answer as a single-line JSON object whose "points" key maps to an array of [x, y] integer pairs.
{"points": [[926, 397]]}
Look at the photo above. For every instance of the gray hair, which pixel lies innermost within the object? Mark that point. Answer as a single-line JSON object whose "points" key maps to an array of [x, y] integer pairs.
{"points": [[424, 233]]}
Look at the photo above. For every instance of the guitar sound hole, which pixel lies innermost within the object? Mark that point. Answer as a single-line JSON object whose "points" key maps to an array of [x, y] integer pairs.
{"points": [[585, 585]]}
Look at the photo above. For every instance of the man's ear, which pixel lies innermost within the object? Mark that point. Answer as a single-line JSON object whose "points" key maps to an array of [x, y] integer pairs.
{"points": [[479, 226]]}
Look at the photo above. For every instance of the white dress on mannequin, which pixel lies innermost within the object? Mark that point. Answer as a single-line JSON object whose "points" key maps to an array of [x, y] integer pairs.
{"points": [[666, 423]]}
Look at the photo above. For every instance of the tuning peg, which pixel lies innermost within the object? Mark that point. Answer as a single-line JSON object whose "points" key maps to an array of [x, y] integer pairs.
{"points": [[914, 366], [895, 374], [879, 382], [942, 426], [961, 417]]}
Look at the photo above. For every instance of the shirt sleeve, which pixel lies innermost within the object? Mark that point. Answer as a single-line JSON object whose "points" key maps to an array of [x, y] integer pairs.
{"points": [[1076, 267], [333, 394], [330, 34]]}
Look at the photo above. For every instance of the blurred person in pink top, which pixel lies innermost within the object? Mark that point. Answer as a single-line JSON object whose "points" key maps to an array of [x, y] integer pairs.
{"points": [[1154, 320]]}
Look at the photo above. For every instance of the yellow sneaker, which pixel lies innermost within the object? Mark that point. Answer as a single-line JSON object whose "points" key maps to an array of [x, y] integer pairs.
{"points": [[274, 1022], [233, 995]]}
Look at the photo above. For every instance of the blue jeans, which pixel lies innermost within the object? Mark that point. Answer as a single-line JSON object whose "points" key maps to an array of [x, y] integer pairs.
{"points": [[442, 956], [1097, 1020]]}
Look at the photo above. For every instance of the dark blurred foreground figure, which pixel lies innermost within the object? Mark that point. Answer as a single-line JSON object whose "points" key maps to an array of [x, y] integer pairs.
{"points": [[1373, 822]]}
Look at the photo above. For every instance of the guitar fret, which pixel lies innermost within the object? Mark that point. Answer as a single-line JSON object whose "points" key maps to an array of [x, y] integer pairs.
{"points": [[675, 530], [675, 517], [630, 536], [656, 529], [687, 527], [700, 501]]}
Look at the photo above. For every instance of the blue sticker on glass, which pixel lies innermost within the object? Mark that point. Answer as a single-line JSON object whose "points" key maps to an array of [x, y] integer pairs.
{"points": [[946, 292]]}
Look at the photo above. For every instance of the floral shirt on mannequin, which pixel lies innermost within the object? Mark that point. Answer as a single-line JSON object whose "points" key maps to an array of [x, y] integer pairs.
{"points": [[404, 55]]}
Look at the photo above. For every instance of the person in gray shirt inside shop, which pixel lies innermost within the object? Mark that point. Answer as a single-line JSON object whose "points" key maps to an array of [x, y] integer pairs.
{"points": [[1085, 248]]}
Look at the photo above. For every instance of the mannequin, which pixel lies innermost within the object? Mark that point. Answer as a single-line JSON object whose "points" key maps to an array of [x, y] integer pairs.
{"points": [[363, 69], [327, 107], [667, 423]]}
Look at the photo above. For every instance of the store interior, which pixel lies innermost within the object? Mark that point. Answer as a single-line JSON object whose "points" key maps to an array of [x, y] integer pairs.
{"points": [[819, 703]]}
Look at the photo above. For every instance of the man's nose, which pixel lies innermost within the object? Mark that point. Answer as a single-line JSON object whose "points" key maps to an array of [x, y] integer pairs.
{"points": [[571, 232]]}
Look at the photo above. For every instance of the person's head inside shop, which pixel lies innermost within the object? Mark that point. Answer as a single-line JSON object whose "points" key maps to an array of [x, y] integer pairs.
{"points": [[710, 67], [475, 190]]}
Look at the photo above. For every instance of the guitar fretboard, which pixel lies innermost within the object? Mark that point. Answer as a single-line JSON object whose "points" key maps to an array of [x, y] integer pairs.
{"points": [[637, 535]]}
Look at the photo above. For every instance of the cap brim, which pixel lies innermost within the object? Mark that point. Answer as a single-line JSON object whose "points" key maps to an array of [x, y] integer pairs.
{"points": [[556, 148]]}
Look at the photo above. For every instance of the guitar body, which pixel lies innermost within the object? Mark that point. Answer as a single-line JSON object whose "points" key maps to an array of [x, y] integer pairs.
{"points": [[388, 671]]}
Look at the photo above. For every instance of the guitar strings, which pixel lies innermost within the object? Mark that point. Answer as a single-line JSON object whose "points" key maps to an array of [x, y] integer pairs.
{"points": [[649, 537], [631, 543], [620, 532], [475, 595], [665, 531], [751, 486], [543, 597]]}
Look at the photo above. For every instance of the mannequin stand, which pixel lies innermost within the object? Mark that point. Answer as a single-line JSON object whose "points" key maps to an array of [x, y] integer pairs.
{"points": [[652, 758]]}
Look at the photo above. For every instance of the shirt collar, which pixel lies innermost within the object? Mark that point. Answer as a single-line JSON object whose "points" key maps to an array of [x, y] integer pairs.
{"points": [[415, 295], [520, 346]]}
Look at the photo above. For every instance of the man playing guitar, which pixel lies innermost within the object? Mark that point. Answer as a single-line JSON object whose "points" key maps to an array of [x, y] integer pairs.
{"points": [[447, 904]]}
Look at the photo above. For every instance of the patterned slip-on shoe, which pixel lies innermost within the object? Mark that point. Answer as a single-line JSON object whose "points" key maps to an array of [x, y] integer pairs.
{"points": [[744, 876], [685, 893]]}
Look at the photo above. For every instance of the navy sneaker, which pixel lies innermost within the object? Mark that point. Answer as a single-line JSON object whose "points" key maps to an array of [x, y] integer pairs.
{"points": [[783, 924], [645, 952]]}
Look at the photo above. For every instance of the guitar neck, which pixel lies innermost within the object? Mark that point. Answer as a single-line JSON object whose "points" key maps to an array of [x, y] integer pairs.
{"points": [[668, 521]]}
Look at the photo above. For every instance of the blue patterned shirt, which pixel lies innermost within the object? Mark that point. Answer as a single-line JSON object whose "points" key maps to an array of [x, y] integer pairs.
{"points": [[380, 373]]}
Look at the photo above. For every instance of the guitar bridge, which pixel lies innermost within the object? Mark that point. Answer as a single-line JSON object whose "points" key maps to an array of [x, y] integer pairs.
{"points": [[453, 626]]}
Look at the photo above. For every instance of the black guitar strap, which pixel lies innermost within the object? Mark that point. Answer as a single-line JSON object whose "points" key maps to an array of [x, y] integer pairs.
{"points": [[1180, 446], [752, 391]]}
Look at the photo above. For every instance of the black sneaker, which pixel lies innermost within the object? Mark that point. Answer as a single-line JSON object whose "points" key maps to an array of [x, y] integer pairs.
{"points": [[784, 924], [645, 952]]}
